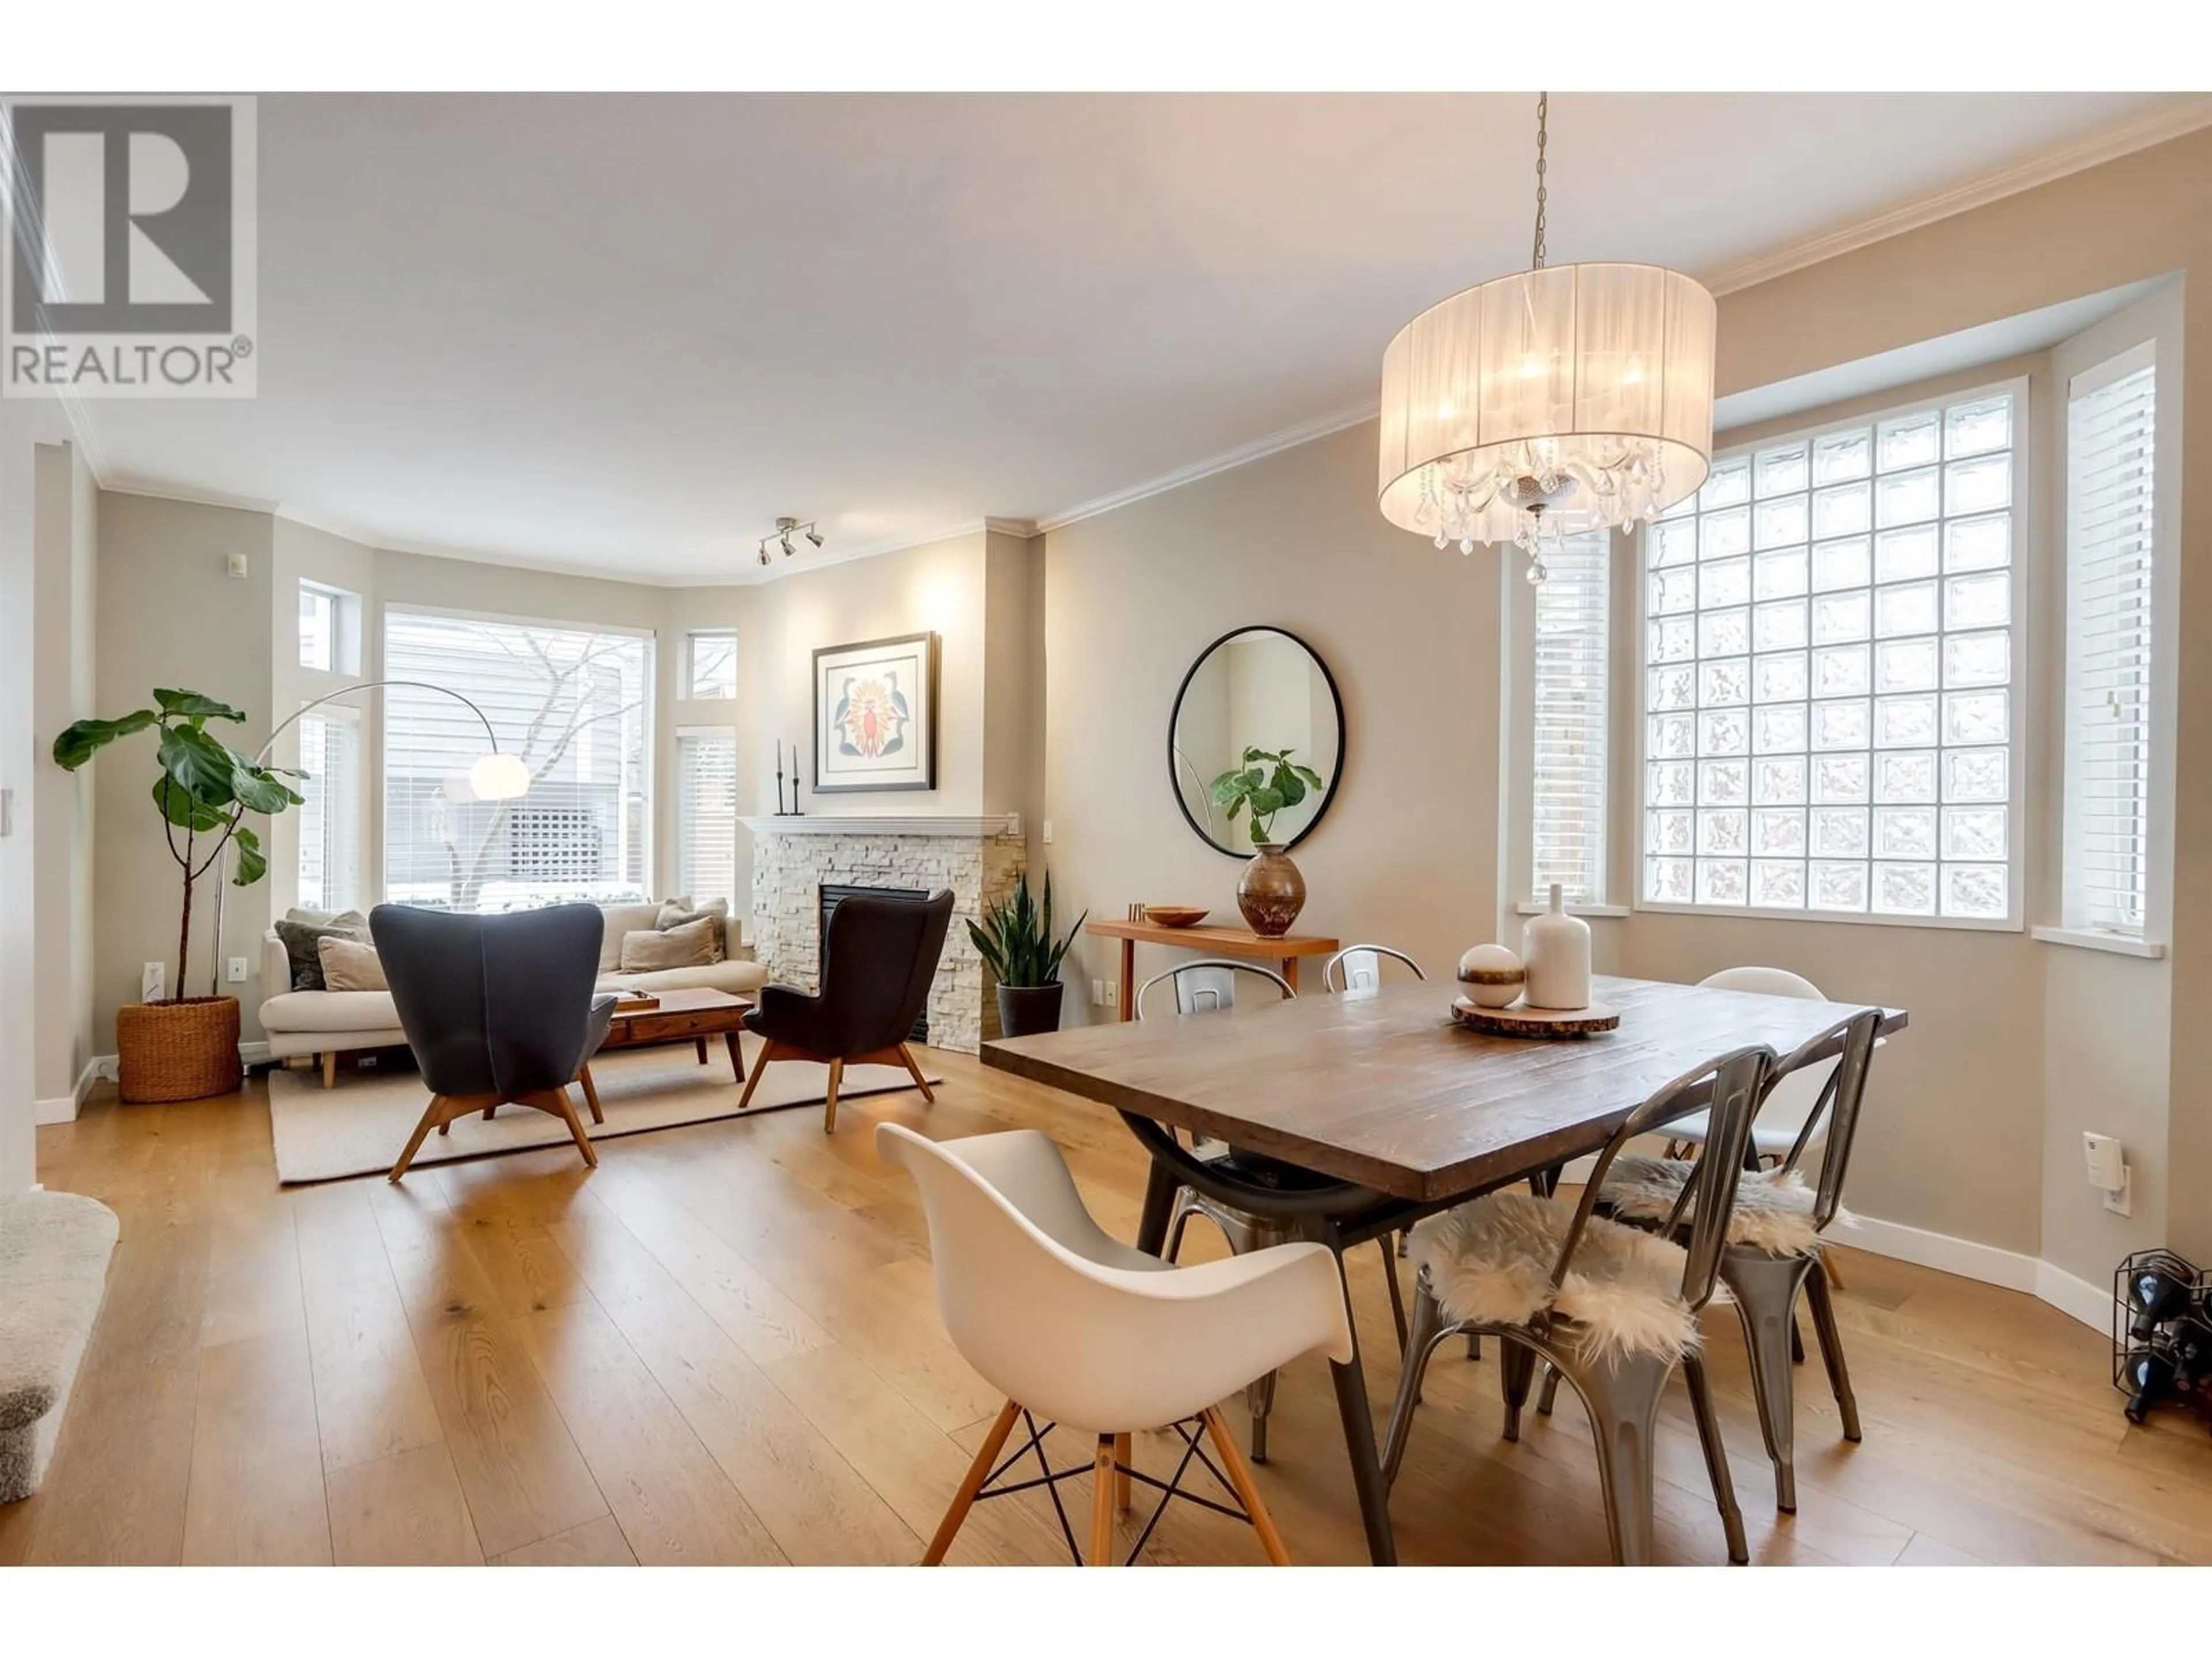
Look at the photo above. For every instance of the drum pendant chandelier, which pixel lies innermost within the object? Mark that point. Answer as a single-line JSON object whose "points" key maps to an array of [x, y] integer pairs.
{"points": [[1557, 401]]}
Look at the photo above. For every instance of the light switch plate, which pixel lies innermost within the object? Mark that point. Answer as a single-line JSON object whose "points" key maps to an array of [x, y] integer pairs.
{"points": [[151, 979]]}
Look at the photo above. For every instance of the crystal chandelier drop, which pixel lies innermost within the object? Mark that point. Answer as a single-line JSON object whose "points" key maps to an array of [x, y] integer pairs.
{"points": [[1557, 401]]}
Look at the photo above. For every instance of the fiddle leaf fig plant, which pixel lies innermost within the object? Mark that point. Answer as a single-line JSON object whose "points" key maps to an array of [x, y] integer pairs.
{"points": [[1015, 939], [205, 789], [1267, 781]]}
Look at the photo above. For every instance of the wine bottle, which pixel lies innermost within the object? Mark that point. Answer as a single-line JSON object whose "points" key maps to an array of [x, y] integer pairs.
{"points": [[2155, 1296], [2149, 1378]]}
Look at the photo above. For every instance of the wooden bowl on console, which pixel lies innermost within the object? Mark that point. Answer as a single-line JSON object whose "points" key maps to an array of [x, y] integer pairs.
{"points": [[1174, 916]]}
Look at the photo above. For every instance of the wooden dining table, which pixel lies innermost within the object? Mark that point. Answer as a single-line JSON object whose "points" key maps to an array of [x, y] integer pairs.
{"points": [[1382, 1090]]}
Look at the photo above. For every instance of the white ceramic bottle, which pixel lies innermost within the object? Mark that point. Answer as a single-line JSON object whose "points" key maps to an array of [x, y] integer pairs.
{"points": [[1555, 952]]}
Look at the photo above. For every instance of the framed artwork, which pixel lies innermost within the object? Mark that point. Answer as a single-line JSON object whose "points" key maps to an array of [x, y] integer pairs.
{"points": [[875, 715]]}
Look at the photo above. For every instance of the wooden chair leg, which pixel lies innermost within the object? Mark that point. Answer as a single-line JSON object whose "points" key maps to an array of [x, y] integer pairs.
{"points": [[700, 1044], [1102, 1504], [1247, 1494], [1122, 1462], [914, 1070], [769, 1050], [829, 1100], [1832, 1267], [591, 1095], [971, 1484], [556, 1103], [329, 1068], [434, 1113]]}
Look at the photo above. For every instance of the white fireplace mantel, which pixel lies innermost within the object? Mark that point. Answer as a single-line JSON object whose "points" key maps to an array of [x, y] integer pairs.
{"points": [[830, 823]]}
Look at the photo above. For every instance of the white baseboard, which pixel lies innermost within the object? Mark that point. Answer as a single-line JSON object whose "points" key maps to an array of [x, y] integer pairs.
{"points": [[2090, 1303], [63, 1109], [103, 1066]]}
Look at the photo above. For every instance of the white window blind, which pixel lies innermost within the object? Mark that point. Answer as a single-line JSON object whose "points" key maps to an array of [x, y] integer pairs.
{"points": [[330, 821], [1829, 656], [574, 703], [707, 812], [713, 669], [1570, 720], [2111, 436]]}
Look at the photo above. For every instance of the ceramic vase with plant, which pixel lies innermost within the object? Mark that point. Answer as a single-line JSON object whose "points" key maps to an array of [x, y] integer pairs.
{"points": [[186, 1047], [1271, 892], [1016, 943]]}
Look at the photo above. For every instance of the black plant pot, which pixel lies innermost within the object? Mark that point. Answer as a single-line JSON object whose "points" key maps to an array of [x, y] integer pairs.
{"points": [[1028, 1010]]}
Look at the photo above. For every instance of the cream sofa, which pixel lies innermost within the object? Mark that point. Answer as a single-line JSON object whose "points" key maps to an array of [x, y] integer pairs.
{"points": [[330, 1023]]}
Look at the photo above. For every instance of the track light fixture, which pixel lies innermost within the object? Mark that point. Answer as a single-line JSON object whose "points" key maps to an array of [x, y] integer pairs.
{"points": [[785, 528]]}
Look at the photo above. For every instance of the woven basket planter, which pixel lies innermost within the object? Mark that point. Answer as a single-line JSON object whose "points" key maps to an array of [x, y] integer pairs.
{"points": [[183, 1050]]}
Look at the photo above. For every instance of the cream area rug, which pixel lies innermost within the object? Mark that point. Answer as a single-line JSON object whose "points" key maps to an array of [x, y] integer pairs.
{"points": [[359, 1126]]}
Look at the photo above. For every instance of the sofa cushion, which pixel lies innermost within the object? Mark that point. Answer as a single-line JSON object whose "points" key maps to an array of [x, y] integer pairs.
{"points": [[348, 964], [329, 1011], [302, 943], [696, 944], [740, 978], [622, 919]]}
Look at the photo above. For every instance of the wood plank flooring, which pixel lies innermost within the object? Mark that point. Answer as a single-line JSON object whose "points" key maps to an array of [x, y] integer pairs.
{"points": [[722, 1346]]}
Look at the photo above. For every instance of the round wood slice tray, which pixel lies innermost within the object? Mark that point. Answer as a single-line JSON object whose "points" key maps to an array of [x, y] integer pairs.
{"points": [[1522, 1022]]}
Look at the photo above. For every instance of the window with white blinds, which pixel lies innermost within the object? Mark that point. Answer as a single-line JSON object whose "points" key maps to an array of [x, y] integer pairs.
{"points": [[707, 812], [1569, 750], [574, 703], [329, 817], [2111, 436]]}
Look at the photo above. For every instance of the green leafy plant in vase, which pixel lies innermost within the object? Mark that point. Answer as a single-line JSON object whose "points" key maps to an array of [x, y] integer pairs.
{"points": [[185, 1048], [1015, 939], [1271, 892]]}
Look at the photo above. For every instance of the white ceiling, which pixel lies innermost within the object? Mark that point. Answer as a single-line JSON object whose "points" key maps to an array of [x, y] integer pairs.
{"points": [[624, 333]]}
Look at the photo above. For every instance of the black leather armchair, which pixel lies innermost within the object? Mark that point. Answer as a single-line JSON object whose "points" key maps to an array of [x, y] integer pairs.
{"points": [[876, 964], [497, 1009]]}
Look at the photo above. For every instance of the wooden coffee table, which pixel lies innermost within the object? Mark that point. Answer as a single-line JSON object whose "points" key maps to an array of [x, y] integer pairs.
{"points": [[698, 1015]]}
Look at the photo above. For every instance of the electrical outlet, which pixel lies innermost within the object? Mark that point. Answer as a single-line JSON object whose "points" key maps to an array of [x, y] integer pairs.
{"points": [[151, 978], [2123, 1202], [237, 975], [1113, 993]]}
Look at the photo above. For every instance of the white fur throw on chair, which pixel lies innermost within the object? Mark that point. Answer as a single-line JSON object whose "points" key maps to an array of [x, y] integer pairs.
{"points": [[1490, 1261], [1773, 1207]]}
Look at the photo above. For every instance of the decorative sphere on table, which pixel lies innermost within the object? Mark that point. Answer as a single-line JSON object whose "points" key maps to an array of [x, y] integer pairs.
{"points": [[1492, 975]]}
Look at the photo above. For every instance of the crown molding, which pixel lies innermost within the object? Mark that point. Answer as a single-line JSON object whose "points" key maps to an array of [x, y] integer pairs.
{"points": [[2156, 126], [1023, 528], [1289, 438]]}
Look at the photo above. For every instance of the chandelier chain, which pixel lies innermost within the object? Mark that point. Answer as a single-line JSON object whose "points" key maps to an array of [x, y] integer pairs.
{"points": [[1543, 112]]}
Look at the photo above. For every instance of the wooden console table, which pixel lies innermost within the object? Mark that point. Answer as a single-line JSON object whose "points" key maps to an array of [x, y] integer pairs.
{"points": [[1281, 954]]}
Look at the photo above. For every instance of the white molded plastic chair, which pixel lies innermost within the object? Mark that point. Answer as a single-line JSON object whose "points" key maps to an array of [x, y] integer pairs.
{"points": [[1078, 1329], [1794, 1098]]}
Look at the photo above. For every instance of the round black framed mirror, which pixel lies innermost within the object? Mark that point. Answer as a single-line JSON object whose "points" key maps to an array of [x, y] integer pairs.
{"points": [[1260, 690]]}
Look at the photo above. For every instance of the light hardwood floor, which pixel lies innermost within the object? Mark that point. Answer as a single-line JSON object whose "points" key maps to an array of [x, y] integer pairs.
{"points": [[722, 1346]]}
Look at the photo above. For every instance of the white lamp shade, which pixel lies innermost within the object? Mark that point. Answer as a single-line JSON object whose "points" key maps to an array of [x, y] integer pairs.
{"points": [[499, 777], [1598, 374]]}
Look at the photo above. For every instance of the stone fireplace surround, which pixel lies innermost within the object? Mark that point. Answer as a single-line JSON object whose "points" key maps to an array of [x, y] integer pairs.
{"points": [[980, 858]]}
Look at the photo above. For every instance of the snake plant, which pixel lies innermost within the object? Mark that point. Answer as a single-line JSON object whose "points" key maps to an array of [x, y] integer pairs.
{"points": [[1015, 939]]}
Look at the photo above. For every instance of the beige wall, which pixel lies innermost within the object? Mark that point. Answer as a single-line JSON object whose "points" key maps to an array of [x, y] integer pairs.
{"points": [[1407, 854], [941, 588], [168, 616], [66, 512]]}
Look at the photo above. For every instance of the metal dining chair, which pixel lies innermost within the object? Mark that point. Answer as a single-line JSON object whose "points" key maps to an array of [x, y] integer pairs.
{"points": [[1774, 1245], [1613, 1308], [1359, 968], [1209, 986]]}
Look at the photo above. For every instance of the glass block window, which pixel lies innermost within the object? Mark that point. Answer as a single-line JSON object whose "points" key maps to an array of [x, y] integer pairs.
{"points": [[1829, 664]]}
